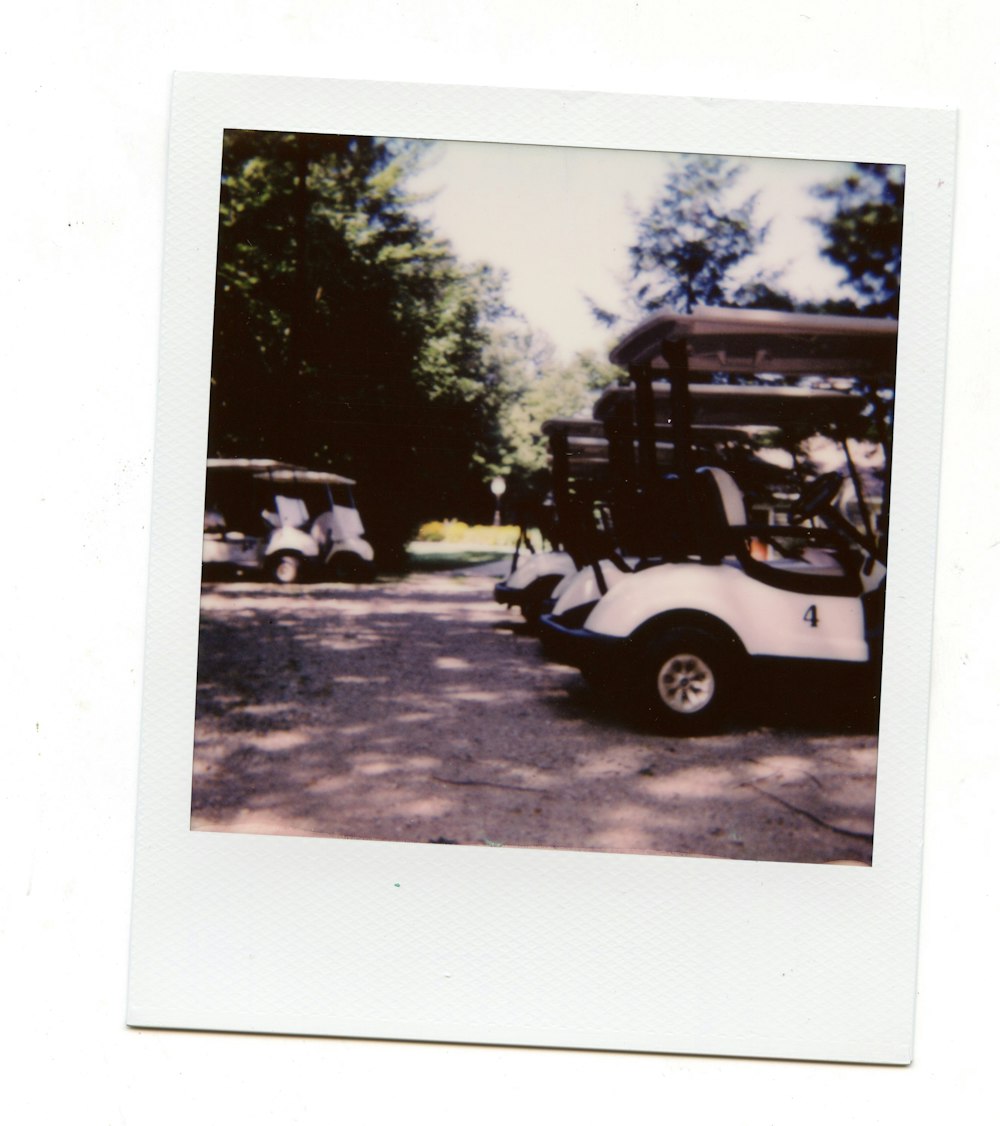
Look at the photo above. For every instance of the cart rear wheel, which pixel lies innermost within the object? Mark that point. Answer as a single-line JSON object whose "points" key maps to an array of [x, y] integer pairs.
{"points": [[688, 679], [349, 567]]}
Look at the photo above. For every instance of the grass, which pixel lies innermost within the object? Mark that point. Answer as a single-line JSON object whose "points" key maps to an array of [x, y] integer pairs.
{"points": [[425, 558]]}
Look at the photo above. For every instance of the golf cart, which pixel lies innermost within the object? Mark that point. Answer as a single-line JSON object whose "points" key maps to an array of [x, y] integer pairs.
{"points": [[680, 632], [287, 522], [592, 463], [730, 428], [734, 428], [574, 519]]}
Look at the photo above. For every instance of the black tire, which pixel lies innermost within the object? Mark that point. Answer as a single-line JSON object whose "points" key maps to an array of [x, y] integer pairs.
{"points": [[536, 597], [688, 679], [602, 678], [349, 567], [285, 567]]}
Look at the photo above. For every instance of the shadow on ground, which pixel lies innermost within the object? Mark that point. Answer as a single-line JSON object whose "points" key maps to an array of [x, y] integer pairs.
{"points": [[411, 712]]}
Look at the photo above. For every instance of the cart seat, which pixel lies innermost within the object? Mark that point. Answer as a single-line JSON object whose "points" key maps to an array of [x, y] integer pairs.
{"points": [[820, 564]]}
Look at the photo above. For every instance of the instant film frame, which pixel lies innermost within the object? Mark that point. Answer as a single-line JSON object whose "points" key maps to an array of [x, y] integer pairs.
{"points": [[356, 938]]}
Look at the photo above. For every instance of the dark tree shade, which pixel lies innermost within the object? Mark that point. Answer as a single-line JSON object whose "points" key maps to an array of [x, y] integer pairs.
{"points": [[347, 335]]}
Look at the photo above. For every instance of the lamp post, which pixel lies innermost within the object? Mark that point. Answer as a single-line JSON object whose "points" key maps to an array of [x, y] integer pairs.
{"points": [[498, 486]]}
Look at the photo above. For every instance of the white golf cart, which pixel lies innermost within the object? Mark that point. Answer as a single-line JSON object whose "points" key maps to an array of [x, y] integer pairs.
{"points": [[573, 519], [593, 467], [291, 523], [731, 424], [535, 573], [729, 591]]}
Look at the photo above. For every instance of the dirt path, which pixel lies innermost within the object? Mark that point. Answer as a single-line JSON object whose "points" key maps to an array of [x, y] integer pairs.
{"points": [[419, 711]]}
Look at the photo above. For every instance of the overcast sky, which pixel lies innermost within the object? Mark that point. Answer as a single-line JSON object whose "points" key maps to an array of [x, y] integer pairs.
{"points": [[557, 221]]}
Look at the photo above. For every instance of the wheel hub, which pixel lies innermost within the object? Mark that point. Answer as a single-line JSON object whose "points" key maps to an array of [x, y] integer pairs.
{"points": [[686, 683]]}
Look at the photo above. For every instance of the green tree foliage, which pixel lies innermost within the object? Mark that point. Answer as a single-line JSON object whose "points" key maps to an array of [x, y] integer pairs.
{"points": [[691, 241], [864, 234], [549, 391], [537, 389], [347, 335]]}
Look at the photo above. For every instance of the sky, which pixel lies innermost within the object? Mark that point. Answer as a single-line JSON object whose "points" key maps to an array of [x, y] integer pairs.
{"points": [[558, 221]]}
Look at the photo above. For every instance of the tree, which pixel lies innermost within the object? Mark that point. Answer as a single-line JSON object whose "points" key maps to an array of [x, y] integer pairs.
{"points": [[542, 389], [347, 334], [864, 234], [551, 390], [692, 239]]}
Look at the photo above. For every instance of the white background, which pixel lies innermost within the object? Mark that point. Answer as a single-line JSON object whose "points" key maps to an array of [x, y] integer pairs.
{"points": [[85, 101]]}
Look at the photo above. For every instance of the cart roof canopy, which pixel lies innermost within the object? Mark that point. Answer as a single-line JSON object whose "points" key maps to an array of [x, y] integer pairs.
{"points": [[267, 469], [247, 464], [587, 442], [581, 431], [721, 405], [587, 447], [759, 341], [296, 476]]}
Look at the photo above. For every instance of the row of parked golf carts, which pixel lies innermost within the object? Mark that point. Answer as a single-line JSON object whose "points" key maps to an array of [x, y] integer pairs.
{"points": [[691, 542]]}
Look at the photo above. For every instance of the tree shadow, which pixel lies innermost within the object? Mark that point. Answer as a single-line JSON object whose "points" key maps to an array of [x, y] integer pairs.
{"points": [[404, 712]]}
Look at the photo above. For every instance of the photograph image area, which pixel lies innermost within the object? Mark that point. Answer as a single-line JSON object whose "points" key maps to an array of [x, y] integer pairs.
{"points": [[547, 497]]}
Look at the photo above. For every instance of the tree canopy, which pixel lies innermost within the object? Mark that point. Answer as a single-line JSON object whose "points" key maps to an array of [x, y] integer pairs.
{"points": [[696, 243], [863, 234], [692, 239], [347, 334]]}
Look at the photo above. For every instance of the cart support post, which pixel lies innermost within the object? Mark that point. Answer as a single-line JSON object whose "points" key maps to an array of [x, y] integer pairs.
{"points": [[675, 353]]}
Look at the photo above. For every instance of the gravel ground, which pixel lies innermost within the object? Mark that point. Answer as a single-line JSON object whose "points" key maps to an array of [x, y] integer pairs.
{"points": [[420, 711]]}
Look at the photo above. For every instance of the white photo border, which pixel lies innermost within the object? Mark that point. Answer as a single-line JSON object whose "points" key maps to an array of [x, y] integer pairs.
{"points": [[510, 946]]}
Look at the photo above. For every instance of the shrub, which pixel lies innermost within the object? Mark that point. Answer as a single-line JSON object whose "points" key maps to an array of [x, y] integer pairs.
{"points": [[456, 531], [477, 535], [432, 532]]}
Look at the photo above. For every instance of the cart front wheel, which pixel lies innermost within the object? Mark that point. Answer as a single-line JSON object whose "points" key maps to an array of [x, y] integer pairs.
{"points": [[286, 567]]}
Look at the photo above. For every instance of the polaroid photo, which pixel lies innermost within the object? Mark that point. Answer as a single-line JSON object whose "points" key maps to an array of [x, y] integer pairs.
{"points": [[523, 660]]}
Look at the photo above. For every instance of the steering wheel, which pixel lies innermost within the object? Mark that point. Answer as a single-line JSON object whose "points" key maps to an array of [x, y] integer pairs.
{"points": [[816, 496]]}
